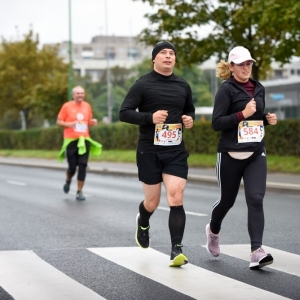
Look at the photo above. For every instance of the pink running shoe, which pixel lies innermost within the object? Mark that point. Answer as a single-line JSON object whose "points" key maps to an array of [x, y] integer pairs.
{"points": [[212, 244], [260, 259]]}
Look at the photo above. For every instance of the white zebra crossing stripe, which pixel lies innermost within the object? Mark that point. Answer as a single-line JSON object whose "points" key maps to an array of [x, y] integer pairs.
{"points": [[189, 279], [283, 261], [26, 276]]}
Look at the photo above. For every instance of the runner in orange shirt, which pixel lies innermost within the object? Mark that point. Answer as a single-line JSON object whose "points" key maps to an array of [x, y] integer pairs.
{"points": [[76, 117]]}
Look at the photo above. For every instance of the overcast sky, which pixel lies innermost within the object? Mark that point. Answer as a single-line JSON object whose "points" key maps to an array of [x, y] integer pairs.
{"points": [[50, 19]]}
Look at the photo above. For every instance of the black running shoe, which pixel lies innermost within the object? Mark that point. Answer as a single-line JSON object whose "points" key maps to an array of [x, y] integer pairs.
{"points": [[142, 236], [177, 257], [67, 187]]}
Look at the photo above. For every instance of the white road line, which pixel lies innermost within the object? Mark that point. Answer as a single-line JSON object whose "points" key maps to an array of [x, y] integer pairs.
{"points": [[283, 261], [26, 276], [189, 279], [187, 212], [16, 182]]}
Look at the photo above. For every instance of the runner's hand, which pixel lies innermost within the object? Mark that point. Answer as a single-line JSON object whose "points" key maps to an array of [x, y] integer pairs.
{"points": [[93, 122], [271, 118], [160, 116], [71, 124], [188, 121], [250, 109]]}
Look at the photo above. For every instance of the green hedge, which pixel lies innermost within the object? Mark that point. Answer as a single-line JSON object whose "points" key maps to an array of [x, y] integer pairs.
{"points": [[282, 139]]}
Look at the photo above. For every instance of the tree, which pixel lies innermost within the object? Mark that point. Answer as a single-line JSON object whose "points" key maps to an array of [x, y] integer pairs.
{"points": [[32, 80], [118, 79], [96, 92], [199, 84], [201, 29]]}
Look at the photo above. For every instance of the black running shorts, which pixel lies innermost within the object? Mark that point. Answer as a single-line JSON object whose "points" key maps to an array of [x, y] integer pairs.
{"points": [[151, 166]]}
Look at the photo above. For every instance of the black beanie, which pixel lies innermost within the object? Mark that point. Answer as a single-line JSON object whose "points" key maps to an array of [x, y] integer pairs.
{"points": [[162, 45]]}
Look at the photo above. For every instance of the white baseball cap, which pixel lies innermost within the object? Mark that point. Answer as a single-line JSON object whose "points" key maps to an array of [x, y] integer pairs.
{"points": [[239, 54]]}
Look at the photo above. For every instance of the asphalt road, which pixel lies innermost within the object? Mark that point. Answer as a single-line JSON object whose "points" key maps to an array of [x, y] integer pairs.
{"points": [[53, 247]]}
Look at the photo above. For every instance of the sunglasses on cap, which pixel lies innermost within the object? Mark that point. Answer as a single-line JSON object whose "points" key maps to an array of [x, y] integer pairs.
{"points": [[248, 64]]}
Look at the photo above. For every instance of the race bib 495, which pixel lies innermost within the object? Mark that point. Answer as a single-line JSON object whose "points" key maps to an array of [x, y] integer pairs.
{"points": [[168, 134]]}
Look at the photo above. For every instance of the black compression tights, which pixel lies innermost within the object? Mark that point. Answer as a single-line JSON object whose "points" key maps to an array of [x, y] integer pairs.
{"points": [[230, 171], [81, 171]]}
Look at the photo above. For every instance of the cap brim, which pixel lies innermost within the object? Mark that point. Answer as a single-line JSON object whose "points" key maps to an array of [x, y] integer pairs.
{"points": [[242, 59]]}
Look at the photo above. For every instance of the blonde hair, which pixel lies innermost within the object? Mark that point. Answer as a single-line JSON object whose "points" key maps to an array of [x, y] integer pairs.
{"points": [[223, 71]]}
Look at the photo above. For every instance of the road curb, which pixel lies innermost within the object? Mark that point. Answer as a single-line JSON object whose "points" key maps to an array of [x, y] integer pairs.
{"points": [[285, 188]]}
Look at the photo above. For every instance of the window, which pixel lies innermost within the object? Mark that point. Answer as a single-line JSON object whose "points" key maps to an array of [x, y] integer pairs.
{"points": [[63, 51], [278, 73], [98, 50], [132, 52], [87, 52], [110, 53]]}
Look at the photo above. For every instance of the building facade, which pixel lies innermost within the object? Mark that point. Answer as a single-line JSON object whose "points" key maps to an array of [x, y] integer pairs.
{"points": [[103, 52], [283, 97]]}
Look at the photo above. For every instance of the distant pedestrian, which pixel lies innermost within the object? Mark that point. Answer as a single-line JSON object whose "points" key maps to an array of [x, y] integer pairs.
{"points": [[161, 104], [75, 117], [239, 114]]}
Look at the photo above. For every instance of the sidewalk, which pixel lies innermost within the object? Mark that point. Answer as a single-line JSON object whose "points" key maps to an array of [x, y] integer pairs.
{"points": [[283, 183]]}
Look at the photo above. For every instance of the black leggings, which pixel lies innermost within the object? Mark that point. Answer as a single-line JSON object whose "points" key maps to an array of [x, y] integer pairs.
{"points": [[230, 171], [74, 159]]}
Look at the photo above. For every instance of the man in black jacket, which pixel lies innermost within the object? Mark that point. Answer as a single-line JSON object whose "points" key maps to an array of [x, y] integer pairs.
{"points": [[161, 104]]}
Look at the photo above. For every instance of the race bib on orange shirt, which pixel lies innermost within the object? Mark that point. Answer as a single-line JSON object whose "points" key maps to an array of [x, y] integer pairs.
{"points": [[81, 127], [72, 112], [251, 131], [168, 134]]}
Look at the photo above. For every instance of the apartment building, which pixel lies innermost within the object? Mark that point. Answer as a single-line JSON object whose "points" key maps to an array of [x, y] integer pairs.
{"points": [[103, 52]]}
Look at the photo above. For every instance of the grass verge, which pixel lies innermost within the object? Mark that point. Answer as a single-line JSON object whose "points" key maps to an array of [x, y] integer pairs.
{"points": [[283, 164]]}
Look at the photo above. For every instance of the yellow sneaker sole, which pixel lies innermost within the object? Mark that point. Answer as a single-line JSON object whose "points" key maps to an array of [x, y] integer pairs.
{"points": [[179, 261]]}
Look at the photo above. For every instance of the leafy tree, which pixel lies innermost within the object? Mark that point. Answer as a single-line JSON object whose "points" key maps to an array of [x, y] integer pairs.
{"points": [[33, 80], [198, 82], [96, 92], [117, 95], [205, 28], [10, 120]]}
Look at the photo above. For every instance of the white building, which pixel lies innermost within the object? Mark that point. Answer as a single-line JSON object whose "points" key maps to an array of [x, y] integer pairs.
{"points": [[103, 51]]}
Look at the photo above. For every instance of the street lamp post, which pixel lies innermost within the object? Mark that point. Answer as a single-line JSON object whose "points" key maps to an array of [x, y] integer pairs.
{"points": [[70, 73], [108, 82]]}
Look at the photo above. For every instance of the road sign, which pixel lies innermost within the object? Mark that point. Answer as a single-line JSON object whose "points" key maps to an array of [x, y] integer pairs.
{"points": [[277, 97]]}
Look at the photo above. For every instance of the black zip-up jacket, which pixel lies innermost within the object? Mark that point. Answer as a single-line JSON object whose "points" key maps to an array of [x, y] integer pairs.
{"points": [[153, 92], [230, 99]]}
